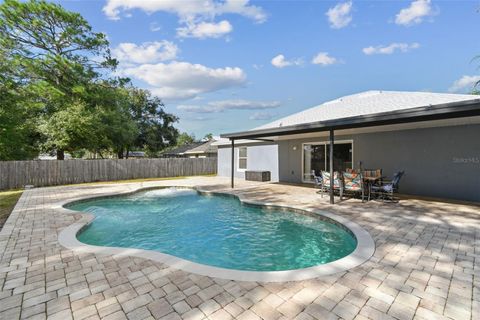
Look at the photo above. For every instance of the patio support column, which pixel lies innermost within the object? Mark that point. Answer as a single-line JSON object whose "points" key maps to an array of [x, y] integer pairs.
{"points": [[332, 201], [233, 162]]}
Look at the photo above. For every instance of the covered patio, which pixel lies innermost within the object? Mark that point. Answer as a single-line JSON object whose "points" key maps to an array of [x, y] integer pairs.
{"points": [[372, 113]]}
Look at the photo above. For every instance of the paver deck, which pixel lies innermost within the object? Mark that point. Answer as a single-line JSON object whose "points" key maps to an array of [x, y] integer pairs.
{"points": [[426, 266]]}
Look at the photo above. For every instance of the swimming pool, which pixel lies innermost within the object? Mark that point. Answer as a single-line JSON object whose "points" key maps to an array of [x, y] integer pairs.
{"points": [[214, 230]]}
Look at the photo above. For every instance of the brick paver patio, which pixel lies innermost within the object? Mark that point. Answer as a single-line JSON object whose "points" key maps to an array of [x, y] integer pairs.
{"points": [[426, 266]]}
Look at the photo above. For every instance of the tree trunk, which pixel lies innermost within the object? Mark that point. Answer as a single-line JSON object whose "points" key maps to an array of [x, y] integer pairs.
{"points": [[120, 154], [60, 154]]}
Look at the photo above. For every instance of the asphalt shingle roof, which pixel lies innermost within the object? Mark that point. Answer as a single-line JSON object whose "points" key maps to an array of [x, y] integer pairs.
{"points": [[366, 103], [181, 149], [206, 147]]}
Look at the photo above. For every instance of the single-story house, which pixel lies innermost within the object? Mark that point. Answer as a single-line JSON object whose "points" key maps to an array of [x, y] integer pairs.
{"points": [[205, 150], [433, 137], [201, 149], [136, 154]]}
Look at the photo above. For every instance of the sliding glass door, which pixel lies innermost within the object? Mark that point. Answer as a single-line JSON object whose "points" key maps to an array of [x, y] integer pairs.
{"points": [[313, 159], [316, 157]]}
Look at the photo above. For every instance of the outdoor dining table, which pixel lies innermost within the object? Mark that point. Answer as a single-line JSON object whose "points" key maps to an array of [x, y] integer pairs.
{"points": [[369, 181]]}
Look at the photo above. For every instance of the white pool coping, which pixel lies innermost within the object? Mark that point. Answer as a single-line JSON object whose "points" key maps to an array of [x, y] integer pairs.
{"points": [[364, 250]]}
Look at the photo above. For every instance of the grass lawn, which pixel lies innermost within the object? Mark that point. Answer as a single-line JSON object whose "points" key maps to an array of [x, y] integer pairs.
{"points": [[8, 199]]}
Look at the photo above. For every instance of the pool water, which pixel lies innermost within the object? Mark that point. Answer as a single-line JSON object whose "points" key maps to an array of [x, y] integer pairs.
{"points": [[214, 230]]}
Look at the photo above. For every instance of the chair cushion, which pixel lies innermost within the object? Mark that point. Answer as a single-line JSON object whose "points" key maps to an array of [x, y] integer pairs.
{"points": [[326, 179], [384, 188], [352, 181]]}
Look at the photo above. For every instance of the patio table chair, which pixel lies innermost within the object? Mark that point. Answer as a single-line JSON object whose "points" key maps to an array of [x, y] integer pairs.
{"points": [[387, 189], [317, 180], [372, 173], [350, 170], [353, 183], [337, 183], [372, 177]]}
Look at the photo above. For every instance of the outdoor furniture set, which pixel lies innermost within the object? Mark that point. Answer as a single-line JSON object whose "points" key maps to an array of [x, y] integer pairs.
{"points": [[366, 183]]}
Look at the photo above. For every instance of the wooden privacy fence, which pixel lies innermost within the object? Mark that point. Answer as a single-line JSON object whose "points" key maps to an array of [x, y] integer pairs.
{"points": [[17, 174]]}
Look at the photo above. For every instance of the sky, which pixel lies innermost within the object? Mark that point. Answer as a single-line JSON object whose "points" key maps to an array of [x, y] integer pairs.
{"points": [[233, 65]]}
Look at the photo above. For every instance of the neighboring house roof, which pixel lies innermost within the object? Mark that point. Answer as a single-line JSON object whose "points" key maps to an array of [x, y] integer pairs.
{"points": [[182, 149], [364, 108], [136, 154], [206, 147]]}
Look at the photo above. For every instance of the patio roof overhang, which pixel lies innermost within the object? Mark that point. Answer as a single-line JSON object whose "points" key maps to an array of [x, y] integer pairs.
{"points": [[437, 112], [451, 110]]}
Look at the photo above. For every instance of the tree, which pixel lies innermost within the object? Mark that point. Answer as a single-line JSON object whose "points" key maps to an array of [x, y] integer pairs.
{"points": [[208, 137], [57, 92], [76, 125], [17, 132], [115, 127], [155, 125], [185, 138], [56, 55]]}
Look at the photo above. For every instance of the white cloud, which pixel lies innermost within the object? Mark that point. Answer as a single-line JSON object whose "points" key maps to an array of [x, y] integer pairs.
{"points": [[261, 116], [279, 61], [154, 26], [222, 105], [324, 59], [415, 13], [204, 30], [464, 84], [186, 9], [402, 47], [196, 118], [340, 15], [147, 52], [183, 80]]}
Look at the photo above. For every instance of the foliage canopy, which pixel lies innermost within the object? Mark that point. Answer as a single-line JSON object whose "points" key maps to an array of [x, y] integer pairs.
{"points": [[58, 93]]}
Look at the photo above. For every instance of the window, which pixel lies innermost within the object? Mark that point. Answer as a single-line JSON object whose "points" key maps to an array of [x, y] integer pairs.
{"points": [[316, 157], [242, 158]]}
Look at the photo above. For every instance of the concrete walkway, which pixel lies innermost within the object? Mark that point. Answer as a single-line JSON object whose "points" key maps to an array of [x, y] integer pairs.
{"points": [[426, 266]]}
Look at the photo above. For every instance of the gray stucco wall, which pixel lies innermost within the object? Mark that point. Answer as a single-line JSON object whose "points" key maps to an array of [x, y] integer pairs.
{"points": [[438, 162], [260, 157]]}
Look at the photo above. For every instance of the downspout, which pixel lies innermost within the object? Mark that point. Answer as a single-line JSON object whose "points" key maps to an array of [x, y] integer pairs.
{"points": [[332, 201], [233, 163]]}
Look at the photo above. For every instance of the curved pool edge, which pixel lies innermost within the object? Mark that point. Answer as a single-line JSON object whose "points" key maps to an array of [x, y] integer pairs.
{"points": [[364, 250]]}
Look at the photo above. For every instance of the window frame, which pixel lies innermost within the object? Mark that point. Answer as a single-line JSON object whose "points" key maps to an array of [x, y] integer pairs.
{"points": [[326, 143], [239, 157]]}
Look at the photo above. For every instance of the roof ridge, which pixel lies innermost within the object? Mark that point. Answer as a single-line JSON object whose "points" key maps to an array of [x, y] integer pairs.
{"points": [[368, 102]]}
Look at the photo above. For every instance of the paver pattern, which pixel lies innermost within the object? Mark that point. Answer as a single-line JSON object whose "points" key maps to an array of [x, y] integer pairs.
{"points": [[426, 266]]}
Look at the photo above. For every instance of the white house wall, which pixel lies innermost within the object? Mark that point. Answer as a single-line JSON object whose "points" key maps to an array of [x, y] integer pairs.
{"points": [[259, 157]]}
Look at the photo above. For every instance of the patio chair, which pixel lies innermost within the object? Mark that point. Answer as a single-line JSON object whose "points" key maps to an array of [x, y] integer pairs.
{"points": [[350, 170], [337, 183], [372, 173], [387, 189], [372, 177], [317, 180], [353, 183]]}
